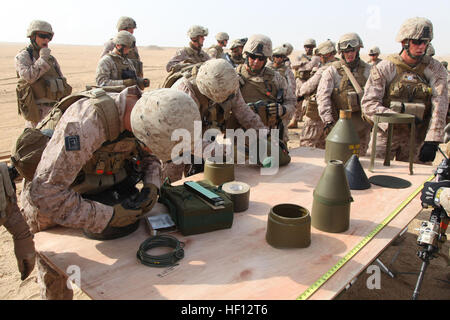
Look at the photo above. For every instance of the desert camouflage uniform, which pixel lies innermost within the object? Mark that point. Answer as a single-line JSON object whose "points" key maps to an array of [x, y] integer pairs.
{"points": [[242, 113], [132, 55], [186, 56], [280, 83], [108, 74], [432, 129], [304, 63], [48, 200], [312, 134], [331, 79], [32, 69]]}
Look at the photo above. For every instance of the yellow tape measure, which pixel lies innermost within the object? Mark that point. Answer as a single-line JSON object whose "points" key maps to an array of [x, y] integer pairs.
{"points": [[314, 287]]}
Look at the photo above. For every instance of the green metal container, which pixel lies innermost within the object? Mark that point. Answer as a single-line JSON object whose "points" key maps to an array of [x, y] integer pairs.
{"points": [[343, 140], [332, 198], [289, 226], [218, 173]]}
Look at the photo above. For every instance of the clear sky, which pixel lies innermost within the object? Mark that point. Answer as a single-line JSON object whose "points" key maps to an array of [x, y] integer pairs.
{"points": [[165, 22]]}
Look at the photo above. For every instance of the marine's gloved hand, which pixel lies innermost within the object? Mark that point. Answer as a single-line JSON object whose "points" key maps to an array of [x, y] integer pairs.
{"points": [[25, 255], [44, 53], [275, 110], [149, 194], [6, 190], [428, 151], [143, 83], [327, 128], [126, 213], [431, 192], [129, 82]]}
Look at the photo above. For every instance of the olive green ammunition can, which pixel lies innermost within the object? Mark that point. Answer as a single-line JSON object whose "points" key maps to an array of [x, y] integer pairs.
{"points": [[289, 226]]}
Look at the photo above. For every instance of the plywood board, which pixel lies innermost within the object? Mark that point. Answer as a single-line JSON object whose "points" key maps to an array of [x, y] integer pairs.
{"points": [[238, 263]]}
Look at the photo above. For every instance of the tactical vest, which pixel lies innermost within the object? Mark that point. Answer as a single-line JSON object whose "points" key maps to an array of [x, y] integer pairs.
{"points": [[345, 96], [259, 91], [260, 87], [409, 91], [124, 67], [109, 165], [49, 88]]}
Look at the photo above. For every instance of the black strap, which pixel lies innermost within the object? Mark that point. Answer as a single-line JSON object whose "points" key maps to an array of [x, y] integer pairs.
{"points": [[164, 260]]}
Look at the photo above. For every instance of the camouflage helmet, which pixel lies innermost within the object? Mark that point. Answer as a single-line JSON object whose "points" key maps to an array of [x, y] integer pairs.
{"points": [[217, 80], [289, 48], [157, 114], [374, 50], [222, 36], [415, 28], [196, 31], [124, 38], [39, 25], [430, 50], [349, 40], [236, 43], [325, 48], [280, 51], [445, 64], [126, 23], [260, 45], [309, 42]]}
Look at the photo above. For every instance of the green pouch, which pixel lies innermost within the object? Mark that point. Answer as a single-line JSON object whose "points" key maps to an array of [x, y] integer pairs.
{"points": [[191, 214]]}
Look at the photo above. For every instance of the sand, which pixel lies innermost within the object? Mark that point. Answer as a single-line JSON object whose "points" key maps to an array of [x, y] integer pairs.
{"points": [[78, 64]]}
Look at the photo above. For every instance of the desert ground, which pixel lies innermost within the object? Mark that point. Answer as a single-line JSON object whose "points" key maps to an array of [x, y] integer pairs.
{"points": [[78, 64]]}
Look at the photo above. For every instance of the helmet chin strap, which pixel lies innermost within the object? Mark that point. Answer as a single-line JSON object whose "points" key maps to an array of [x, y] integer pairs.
{"points": [[406, 47], [352, 64]]}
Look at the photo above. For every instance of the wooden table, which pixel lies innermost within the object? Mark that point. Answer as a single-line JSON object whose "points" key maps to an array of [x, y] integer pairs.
{"points": [[238, 263]]}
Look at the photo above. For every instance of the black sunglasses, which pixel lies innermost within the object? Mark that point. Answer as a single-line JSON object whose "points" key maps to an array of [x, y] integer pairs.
{"points": [[419, 42], [44, 36], [255, 57]]}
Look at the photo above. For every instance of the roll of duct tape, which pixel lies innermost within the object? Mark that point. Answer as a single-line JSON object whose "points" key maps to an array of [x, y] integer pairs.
{"points": [[239, 193]]}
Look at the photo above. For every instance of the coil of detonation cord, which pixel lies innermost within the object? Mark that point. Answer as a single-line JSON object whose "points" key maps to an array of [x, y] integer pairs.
{"points": [[163, 260]]}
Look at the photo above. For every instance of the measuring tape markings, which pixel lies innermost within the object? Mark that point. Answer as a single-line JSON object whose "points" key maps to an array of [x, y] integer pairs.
{"points": [[315, 286]]}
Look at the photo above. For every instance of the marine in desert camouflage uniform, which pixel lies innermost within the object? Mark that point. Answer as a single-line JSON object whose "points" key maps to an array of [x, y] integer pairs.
{"points": [[390, 85], [236, 58], [116, 69], [258, 83], [41, 83], [192, 54], [216, 51], [312, 134], [278, 63], [127, 24], [336, 91], [302, 70], [374, 54], [215, 90], [62, 191]]}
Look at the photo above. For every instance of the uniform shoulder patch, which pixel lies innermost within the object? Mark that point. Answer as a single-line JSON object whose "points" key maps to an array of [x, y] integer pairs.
{"points": [[375, 73], [72, 143]]}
